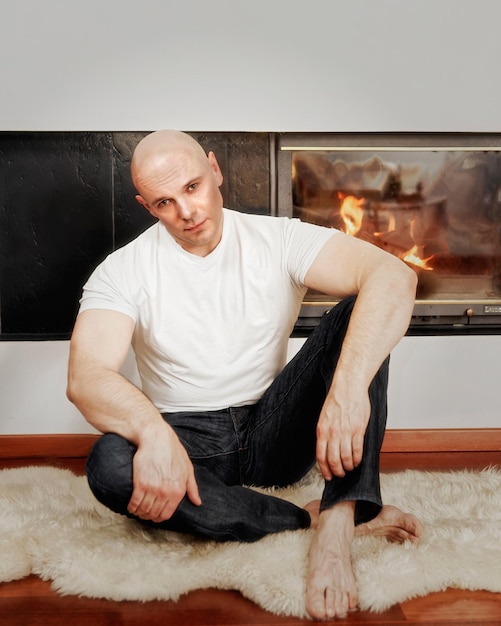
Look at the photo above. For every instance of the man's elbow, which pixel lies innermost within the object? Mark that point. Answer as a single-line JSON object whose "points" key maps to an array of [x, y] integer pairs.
{"points": [[411, 280], [75, 392], [398, 280], [74, 387], [72, 390]]}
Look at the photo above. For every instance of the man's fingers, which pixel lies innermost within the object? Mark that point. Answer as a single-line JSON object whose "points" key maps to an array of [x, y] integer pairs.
{"points": [[140, 504], [358, 448], [135, 501], [161, 504], [192, 491], [322, 459], [147, 503], [174, 499], [346, 453], [154, 509], [167, 511], [335, 458]]}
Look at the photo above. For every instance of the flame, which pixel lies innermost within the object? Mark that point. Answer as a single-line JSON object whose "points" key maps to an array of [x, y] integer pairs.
{"points": [[413, 257], [391, 223], [391, 226], [352, 212]]}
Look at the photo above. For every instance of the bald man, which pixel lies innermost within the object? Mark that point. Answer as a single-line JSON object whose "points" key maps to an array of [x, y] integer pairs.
{"points": [[208, 298]]}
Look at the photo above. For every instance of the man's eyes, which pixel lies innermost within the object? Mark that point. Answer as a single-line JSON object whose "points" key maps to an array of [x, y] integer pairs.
{"points": [[167, 201]]}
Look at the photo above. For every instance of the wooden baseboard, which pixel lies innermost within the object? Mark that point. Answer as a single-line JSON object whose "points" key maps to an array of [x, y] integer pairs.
{"points": [[441, 449], [396, 441], [443, 440], [45, 446]]}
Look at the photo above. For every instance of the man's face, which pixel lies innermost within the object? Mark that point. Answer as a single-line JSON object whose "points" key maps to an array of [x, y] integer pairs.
{"points": [[182, 190]]}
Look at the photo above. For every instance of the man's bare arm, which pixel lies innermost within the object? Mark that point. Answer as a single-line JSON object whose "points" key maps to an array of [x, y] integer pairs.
{"points": [[385, 289], [163, 473]]}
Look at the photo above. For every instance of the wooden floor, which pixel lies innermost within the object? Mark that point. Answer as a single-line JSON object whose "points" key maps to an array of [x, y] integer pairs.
{"points": [[32, 602]]}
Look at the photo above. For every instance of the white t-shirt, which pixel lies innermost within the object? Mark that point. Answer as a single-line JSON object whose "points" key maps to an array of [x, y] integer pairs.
{"points": [[210, 332]]}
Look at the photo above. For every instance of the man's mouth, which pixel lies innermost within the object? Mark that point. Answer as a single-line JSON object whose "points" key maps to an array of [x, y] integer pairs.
{"points": [[196, 226]]}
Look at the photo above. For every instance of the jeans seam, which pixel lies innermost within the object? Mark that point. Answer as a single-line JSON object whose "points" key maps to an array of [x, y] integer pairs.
{"points": [[213, 456], [240, 448], [282, 399]]}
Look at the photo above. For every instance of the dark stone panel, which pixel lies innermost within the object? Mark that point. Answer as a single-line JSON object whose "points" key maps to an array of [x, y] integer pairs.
{"points": [[56, 224], [244, 159], [67, 200]]}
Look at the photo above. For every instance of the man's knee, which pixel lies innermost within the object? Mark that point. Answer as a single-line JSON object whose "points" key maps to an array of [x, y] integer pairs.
{"points": [[109, 470], [332, 328], [339, 315]]}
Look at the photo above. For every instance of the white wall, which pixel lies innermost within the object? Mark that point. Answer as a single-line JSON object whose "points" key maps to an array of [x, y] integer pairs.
{"points": [[279, 65], [442, 382], [321, 65], [435, 382], [445, 382], [33, 388]]}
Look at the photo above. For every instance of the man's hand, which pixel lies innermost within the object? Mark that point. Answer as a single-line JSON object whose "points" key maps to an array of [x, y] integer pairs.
{"points": [[385, 288], [162, 474], [162, 471], [340, 433]]}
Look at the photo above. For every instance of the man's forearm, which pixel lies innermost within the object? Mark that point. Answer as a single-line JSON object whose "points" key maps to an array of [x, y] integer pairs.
{"points": [[111, 403], [162, 471], [380, 318]]}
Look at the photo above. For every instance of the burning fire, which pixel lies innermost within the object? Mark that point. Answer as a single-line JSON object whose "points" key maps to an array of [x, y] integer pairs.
{"points": [[412, 257], [352, 213]]}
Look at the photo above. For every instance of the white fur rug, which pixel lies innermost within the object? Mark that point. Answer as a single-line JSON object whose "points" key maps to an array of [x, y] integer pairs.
{"points": [[51, 526]]}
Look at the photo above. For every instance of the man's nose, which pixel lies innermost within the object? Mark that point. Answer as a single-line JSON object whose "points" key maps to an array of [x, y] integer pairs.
{"points": [[186, 210]]}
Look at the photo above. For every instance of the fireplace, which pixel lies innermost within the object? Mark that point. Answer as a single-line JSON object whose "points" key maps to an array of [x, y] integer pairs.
{"points": [[432, 200]]}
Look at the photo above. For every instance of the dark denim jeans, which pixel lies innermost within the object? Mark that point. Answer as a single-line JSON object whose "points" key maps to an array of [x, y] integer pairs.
{"points": [[269, 443]]}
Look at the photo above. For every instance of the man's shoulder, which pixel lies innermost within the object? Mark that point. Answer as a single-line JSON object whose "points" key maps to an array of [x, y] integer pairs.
{"points": [[142, 242], [143, 238], [255, 222], [127, 260], [291, 228]]}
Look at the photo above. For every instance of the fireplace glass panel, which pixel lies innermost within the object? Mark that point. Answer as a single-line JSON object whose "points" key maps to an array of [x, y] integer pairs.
{"points": [[436, 208]]}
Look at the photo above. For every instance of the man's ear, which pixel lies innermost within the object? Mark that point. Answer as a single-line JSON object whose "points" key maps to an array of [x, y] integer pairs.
{"points": [[143, 202], [215, 168]]}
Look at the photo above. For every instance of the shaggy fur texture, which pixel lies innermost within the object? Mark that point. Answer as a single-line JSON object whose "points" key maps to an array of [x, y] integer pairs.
{"points": [[52, 526]]}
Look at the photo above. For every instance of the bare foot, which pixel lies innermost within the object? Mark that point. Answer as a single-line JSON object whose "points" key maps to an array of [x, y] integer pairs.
{"points": [[393, 524], [330, 587], [313, 509]]}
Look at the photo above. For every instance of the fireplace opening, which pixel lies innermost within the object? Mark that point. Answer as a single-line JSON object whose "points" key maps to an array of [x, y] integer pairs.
{"points": [[434, 201]]}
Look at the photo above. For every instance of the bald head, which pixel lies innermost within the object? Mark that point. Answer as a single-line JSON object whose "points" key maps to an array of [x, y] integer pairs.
{"points": [[180, 185], [156, 147]]}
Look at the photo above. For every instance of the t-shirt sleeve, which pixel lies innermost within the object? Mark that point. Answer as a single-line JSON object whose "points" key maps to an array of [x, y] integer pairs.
{"points": [[304, 242], [107, 288]]}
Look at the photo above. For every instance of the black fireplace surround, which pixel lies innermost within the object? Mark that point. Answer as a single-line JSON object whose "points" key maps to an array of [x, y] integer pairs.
{"points": [[66, 201]]}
